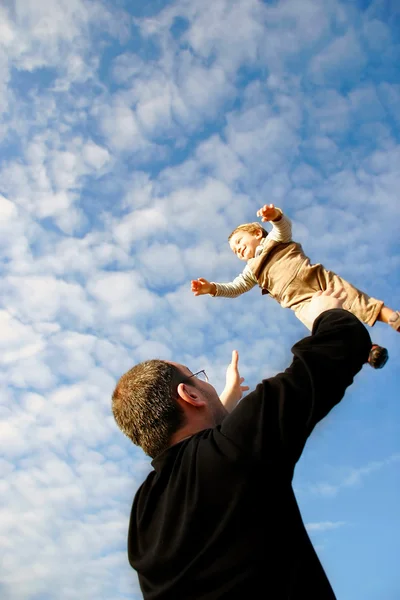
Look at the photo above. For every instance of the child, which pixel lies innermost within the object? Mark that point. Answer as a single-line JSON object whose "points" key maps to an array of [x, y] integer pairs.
{"points": [[280, 267]]}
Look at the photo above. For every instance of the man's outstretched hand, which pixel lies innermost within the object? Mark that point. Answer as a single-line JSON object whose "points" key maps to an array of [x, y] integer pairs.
{"points": [[234, 389], [322, 301]]}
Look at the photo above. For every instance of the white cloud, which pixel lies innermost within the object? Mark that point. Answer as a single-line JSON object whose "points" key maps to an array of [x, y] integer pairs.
{"points": [[96, 156], [222, 162], [7, 210], [323, 526], [120, 126], [14, 333], [125, 166], [266, 141], [44, 297], [353, 477], [163, 264], [331, 112], [48, 184], [376, 35], [366, 105], [344, 58], [139, 224], [121, 295]]}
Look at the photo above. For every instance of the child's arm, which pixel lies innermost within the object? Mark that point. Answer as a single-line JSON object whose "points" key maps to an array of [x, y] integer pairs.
{"points": [[240, 285], [281, 225], [202, 286]]}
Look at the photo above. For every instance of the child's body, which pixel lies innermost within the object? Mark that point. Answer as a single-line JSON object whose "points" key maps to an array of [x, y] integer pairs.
{"points": [[279, 266]]}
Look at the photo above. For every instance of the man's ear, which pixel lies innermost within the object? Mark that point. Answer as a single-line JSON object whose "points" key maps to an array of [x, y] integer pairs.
{"points": [[189, 394]]}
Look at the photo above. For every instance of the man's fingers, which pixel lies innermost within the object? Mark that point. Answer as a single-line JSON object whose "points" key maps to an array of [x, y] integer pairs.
{"points": [[235, 358], [339, 293], [330, 289]]}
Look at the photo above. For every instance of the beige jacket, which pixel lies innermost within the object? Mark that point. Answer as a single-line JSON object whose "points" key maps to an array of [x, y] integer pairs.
{"points": [[283, 271]]}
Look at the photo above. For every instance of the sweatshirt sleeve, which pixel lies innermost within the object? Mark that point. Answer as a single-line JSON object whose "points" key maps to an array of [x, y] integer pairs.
{"points": [[240, 285], [281, 230], [276, 419]]}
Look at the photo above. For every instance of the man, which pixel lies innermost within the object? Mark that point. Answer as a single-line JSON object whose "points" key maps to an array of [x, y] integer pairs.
{"points": [[217, 517]]}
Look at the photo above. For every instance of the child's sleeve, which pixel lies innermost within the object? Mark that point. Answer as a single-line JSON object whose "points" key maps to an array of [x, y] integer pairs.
{"points": [[281, 230], [240, 285]]}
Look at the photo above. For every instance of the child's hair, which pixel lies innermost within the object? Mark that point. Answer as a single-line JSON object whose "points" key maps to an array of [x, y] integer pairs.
{"points": [[252, 228]]}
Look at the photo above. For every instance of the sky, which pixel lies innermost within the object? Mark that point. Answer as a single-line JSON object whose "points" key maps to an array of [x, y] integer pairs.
{"points": [[134, 136]]}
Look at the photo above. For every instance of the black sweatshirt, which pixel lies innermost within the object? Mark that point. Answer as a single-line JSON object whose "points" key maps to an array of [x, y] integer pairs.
{"points": [[217, 517]]}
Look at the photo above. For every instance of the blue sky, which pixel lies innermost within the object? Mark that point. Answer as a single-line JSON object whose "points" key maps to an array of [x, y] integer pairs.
{"points": [[133, 140]]}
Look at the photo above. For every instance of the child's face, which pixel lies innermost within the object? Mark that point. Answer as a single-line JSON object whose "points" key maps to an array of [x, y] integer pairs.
{"points": [[244, 244]]}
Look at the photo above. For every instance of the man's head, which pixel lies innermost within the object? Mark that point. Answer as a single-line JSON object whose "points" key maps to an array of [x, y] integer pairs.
{"points": [[157, 403], [245, 238]]}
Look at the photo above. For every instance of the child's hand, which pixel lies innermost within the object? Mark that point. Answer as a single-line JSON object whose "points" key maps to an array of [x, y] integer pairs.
{"points": [[202, 286], [268, 212]]}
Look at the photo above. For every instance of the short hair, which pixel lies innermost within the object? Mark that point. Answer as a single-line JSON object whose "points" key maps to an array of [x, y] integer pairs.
{"points": [[252, 228], [144, 405]]}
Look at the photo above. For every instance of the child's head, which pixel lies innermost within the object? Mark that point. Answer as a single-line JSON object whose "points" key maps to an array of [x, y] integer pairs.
{"points": [[244, 239]]}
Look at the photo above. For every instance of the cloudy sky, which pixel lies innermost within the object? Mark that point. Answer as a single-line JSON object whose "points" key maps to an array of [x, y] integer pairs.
{"points": [[134, 137]]}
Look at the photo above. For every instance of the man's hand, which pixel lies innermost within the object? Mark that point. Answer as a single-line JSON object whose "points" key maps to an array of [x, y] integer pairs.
{"points": [[268, 212], [322, 301], [202, 286], [233, 389]]}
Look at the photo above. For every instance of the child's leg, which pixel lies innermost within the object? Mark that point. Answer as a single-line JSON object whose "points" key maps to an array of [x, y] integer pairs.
{"points": [[367, 309], [378, 355], [301, 312], [312, 278], [391, 317], [359, 303]]}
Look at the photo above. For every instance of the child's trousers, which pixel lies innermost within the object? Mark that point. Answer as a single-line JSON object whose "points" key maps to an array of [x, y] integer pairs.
{"points": [[357, 302], [286, 273]]}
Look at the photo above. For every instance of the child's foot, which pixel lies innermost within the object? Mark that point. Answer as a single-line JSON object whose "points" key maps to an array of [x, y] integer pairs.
{"points": [[378, 357], [394, 320]]}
